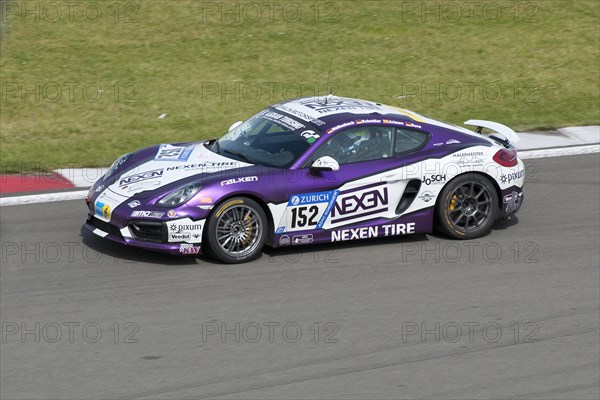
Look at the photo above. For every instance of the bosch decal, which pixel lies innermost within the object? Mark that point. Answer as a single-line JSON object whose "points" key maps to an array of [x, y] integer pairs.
{"points": [[433, 179]]}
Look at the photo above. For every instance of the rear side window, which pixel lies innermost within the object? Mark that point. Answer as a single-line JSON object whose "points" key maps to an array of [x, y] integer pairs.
{"points": [[407, 141], [354, 145]]}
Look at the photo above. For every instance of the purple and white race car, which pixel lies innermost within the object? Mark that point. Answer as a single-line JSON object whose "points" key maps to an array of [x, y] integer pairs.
{"points": [[310, 170]]}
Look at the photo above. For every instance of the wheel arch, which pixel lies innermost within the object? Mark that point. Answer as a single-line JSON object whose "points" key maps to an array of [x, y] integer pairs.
{"points": [[487, 176], [259, 201]]}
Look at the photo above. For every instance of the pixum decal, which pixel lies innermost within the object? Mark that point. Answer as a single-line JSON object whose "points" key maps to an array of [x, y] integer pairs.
{"points": [[186, 230], [513, 176]]}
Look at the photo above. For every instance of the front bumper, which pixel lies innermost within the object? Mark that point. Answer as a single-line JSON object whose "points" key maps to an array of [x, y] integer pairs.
{"points": [[152, 242]]}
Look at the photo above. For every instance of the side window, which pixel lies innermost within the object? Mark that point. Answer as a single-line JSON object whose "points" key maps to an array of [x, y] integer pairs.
{"points": [[407, 141], [357, 145]]}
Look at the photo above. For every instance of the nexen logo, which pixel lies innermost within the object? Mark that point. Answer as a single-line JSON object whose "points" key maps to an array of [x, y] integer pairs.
{"points": [[370, 202], [141, 177]]}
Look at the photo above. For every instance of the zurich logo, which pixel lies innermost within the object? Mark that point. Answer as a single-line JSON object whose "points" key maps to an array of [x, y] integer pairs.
{"points": [[295, 200]]}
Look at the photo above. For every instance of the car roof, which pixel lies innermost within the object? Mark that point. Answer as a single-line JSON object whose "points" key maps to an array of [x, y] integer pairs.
{"points": [[332, 113]]}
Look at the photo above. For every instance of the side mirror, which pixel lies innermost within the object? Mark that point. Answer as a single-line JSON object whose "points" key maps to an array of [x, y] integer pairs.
{"points": [[234, 125], [325, 163]]}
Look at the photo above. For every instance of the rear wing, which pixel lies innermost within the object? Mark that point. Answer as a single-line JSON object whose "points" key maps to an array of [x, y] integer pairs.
{"points": [[504, 130]]}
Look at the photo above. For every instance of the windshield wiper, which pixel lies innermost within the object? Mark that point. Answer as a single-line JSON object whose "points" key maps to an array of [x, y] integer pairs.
{"points": [[240, 155]]}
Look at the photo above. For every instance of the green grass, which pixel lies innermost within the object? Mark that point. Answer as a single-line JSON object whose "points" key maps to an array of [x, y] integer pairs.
{"points": [[526, 71]]}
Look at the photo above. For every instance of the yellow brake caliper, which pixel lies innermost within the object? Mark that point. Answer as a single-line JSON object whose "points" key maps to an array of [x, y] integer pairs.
{"points": [[247, 218], [452, 203]]}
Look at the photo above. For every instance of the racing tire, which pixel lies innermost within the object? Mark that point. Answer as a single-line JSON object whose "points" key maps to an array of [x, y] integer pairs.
{"points": [[467, 207], [236, 231]]}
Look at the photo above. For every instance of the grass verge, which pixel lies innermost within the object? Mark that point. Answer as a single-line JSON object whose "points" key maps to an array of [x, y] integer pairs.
{"points": [[83, 82]]}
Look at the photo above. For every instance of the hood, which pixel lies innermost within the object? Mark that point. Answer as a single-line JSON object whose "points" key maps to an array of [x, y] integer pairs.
{"points": [[158, 166], [165, 164]]}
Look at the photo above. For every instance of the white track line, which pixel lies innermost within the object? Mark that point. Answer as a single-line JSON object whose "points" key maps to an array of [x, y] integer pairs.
{"points": [[42, 198], [523, 154], [559, 151]]}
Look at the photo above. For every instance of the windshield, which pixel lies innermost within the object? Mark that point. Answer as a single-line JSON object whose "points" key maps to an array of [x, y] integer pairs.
{"points": [[269, 138]]}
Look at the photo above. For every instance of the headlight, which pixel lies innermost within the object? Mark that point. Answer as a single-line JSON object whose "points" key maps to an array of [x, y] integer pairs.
{"points": [[118, 162], [179, 195]]}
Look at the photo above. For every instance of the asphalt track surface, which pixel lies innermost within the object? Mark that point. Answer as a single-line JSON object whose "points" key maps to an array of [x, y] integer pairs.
{"points": [[512, 315]]}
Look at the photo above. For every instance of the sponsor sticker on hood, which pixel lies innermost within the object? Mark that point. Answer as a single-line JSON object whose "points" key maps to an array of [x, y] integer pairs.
{"points": [[171, 164], [167, 152]]}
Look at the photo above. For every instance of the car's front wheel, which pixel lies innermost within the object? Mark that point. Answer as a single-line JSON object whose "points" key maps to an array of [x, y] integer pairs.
{"points": [[467, 207], [236, 230]]}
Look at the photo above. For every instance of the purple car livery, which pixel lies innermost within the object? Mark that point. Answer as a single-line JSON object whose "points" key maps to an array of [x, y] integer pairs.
{"points": [[310, 170]]}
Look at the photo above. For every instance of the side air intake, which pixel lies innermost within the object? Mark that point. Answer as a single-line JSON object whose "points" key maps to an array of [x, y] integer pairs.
{"points": [[412, 188]]}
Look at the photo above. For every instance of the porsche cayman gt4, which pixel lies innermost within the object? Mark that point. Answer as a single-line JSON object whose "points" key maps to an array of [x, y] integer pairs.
{"points": [[310, 170]]}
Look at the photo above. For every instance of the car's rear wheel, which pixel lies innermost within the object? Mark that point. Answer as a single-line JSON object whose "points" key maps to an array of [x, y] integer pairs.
{"points": [[467, 207], [237, 230]]}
